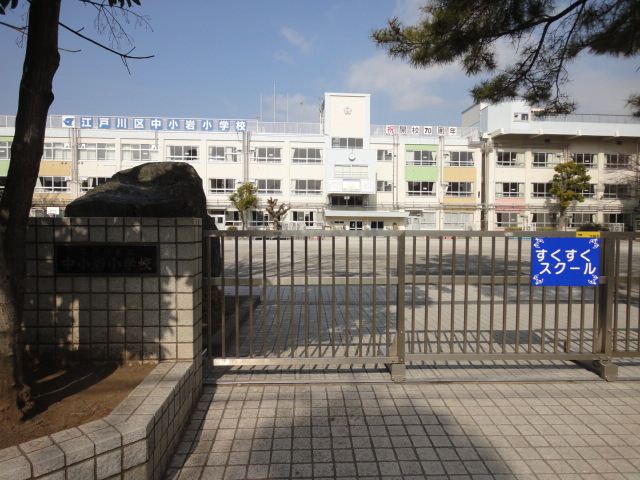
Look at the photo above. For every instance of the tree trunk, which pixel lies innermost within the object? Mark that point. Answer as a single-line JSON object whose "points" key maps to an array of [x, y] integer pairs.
{"points": [[40, 64], [562, 221]]}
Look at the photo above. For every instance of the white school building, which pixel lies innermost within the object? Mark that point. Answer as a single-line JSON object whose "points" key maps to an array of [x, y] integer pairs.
{"points": [[490, 172]]}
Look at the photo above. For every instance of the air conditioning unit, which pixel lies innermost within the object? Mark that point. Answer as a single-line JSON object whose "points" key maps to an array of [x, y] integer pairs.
{"points": [[82, 146], [558, 155], [66, 146], [154, 147]]}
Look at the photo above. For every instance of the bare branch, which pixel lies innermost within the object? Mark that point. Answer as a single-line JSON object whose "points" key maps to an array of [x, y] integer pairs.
{"points": [[128, 11], [123, 56], [22, 29]]}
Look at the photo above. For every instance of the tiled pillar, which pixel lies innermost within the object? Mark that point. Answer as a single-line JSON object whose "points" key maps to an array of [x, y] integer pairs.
{"points": [[133, 317]]}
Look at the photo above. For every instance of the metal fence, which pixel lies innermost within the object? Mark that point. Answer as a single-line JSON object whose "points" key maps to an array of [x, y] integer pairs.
{"points": [[399, 297]]}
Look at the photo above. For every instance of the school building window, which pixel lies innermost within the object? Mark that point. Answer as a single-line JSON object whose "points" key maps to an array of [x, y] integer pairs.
{"points": [[139, 152], [97, 151], [182, 153]]}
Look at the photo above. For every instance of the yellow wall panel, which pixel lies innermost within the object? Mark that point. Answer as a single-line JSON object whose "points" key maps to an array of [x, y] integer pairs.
{"points": [[55, 169], [459, 200], [459, 174]]}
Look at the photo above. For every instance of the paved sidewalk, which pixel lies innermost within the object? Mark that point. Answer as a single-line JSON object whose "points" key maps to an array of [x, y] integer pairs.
{"points": [[583, 430]]}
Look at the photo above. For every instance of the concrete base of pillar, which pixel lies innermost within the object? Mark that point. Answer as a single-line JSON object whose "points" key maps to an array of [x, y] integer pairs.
{"points": [[603, 368], [397, 371]]}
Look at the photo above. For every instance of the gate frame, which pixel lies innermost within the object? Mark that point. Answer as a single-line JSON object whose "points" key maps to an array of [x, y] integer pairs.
{"points": [[599, 361]]}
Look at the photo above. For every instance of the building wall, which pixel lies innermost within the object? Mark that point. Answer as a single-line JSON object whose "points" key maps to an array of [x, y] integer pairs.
{"points": [[384, 189], [562, 149]]}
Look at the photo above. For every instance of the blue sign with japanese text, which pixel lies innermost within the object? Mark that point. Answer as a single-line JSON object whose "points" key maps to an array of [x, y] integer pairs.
{"points": [[569, 262]]}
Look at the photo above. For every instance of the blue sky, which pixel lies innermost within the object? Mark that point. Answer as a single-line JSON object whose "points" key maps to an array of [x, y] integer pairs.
{"points": [[215, 59]]}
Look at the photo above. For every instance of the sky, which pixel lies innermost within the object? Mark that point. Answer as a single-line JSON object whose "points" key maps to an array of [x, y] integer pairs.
{"points": [[217, 59]]}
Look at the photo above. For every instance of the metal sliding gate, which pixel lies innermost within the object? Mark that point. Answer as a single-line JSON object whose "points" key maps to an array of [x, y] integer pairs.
{"points": [[397, 297]]}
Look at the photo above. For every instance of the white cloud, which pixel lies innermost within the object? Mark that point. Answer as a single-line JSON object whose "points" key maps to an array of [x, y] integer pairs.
{"points": [[602, 84], [408, 11], [283, 57], [408, 88], [299, 108], [296, 39]]}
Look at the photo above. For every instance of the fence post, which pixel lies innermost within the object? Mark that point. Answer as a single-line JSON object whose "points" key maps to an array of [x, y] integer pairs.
{"points": [[398, 368], [604, 327]]}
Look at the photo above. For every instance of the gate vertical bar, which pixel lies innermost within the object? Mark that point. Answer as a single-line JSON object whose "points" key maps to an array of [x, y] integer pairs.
{"points": [[237, 296], [386, 297], [319, 310], [426, 295], [223, 313], [505, 289], [263, 311], [211, 291], [492, 293], [479, 292], [398, 368], [413, 297], [251, 336], [518, 273], [452, 316], [333, 296], [439, 329], [347, 336], [305, 319], [360, 296], [466, 294], [627, 335], [374, 329], [604, 328], [278, 319], [292, 303], [615, 295]]}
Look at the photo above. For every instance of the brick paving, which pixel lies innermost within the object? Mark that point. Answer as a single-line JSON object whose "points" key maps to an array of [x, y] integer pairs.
{"points": [[570, 430]]}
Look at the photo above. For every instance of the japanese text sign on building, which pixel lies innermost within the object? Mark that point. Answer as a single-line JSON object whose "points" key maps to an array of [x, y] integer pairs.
{"points": [[570, 262]]}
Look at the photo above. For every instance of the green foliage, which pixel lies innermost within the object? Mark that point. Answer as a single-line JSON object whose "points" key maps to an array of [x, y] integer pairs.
{"points": [[634, 103], [5, 4], [592, 227], [546, 36], [244, 199], [569, 183]]}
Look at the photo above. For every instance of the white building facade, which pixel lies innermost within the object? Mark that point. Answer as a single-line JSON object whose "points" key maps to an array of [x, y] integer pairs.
{"points": [[521, 150], [492, 172]]}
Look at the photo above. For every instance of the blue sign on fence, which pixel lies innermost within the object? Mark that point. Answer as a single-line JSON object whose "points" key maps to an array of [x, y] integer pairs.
{"points": [[571, 262]]}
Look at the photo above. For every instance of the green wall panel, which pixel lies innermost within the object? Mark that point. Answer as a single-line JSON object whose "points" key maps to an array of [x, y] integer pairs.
{"points": [[4, 167], [414, 173], [6, 139], [419, 148]]}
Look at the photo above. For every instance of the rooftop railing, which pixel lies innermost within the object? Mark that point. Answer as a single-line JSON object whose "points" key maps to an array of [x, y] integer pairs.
{"points": [[588, 118], [255, 126]]}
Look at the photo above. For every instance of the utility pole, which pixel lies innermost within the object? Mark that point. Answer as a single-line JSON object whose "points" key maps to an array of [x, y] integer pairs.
{"points": [[246, 147], [395, 170], [443, 185]]}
